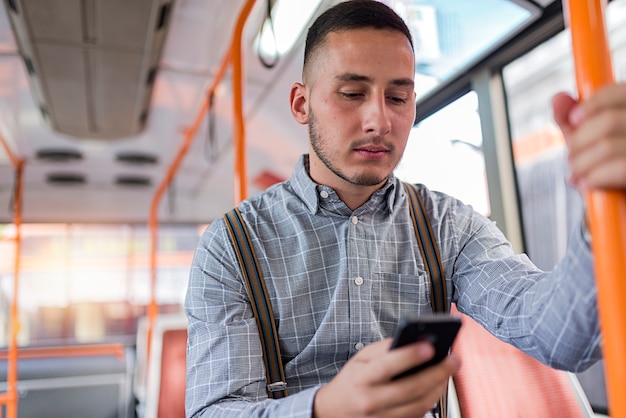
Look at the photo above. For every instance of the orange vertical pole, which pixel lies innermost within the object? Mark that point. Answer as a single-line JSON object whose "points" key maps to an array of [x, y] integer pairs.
{"points": [[15, 324], [10, 398], [233, 54], [606, 209], [153, 221], [239, 135]]}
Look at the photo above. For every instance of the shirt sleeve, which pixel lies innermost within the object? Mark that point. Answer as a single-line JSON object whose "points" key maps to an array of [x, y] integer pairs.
{"points": [[225, 369], [551, 316]]}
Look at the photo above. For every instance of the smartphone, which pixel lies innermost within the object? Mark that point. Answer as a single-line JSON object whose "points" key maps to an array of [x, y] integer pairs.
{"points": [[439, 329]]}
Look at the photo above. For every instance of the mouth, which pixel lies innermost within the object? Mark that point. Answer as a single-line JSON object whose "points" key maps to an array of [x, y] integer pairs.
{"points": [[372, 152]]}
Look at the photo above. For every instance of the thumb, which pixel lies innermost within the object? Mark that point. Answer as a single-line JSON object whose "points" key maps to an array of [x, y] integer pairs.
{"points": [[562, 106]]}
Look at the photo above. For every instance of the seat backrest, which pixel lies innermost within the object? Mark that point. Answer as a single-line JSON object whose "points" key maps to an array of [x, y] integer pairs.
{"points": [[173, 371], [160, 384], [498, 380]]}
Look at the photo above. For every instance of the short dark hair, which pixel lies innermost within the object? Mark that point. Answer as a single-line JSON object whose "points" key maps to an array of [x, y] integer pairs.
{"points": [[353, 14]]}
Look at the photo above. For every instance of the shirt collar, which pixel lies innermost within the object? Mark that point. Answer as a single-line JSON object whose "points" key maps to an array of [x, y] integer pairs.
{"points": [[315, 196]]}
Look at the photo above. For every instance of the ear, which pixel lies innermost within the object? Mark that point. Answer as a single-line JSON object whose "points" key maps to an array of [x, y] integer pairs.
{"points": [[298, 98]]}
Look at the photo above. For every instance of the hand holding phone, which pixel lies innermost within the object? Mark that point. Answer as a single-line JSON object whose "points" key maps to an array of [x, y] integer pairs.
{"points": [[439, 329]]}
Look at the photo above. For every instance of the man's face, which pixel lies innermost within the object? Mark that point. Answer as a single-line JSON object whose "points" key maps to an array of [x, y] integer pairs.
{"points": [[359, 103]]}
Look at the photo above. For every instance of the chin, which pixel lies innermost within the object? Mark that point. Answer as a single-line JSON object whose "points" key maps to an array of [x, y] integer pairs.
{"points": [[369, 179]]}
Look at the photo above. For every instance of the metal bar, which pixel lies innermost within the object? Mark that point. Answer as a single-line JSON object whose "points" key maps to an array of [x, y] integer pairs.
{"points": [[153, 221], [12, 157], [10, 398], [68, 351], [189, 136], [82, 381], [606, 209], [239, 133]]}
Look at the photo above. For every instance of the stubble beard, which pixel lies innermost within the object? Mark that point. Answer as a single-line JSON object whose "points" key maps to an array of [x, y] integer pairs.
{"points": [[317, 143]]}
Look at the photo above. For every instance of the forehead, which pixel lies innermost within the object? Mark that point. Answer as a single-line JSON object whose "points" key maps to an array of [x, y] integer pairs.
{"points": [[369, 52]]}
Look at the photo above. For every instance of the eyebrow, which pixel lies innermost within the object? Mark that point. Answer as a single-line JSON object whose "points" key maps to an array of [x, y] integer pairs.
{"points": [[400, 82]]}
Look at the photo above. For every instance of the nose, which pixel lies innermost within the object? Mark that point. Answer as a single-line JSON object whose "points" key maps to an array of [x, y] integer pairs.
{"points": [[376, 116]]}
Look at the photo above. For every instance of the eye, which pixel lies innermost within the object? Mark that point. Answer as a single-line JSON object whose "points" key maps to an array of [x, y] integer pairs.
{"points": [[350, 95], [397, 100]]}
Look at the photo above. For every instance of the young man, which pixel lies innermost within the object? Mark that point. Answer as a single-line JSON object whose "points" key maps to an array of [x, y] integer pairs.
{"points": [[340, 258]]}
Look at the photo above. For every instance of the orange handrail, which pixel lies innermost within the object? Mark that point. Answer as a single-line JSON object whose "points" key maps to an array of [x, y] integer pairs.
{"points": [[10, 398], [68, 351], [161, 189], [234, 54], [15, 161], [606, 209], [239, 141]]}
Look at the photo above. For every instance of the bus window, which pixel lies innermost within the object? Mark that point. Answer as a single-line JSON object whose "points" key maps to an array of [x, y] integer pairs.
{"points": [[447, 156], [86, 283], [450, 35], [549, 205]]}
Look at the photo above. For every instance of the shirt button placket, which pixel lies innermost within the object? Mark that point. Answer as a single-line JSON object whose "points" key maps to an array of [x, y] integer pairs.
{"points": [[358, 281]]}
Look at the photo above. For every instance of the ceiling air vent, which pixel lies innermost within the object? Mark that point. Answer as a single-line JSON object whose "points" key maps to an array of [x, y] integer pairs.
{"points": [[92, 63], [66, 178], [134, 181], [59, 155], [136, 158]]}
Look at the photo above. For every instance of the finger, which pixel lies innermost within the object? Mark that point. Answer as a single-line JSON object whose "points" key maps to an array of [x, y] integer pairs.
{"points": [[598, 142], [379, 364], [396, 361], [610, 96], [418, 407], [424, 386], [389, 403], [610, 175], [374, 350], [562, 105], [423, 380], [608, 123]]}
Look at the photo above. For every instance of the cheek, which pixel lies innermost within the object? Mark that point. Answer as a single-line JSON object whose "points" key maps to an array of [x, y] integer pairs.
{"points": [[406, 128], [332, 116], [403, 122]]}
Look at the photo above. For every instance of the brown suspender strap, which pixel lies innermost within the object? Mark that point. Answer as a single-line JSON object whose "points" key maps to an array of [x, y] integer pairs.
{"points": [[429, 250], [261, 304], [262, 307], [432, 263]]}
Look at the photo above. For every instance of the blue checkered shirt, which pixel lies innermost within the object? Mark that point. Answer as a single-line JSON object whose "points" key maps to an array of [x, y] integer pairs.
{"points": [[312, 248]]}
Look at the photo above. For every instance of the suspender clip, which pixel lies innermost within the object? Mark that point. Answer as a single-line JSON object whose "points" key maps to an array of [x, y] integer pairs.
{"points": [[276, 386]]}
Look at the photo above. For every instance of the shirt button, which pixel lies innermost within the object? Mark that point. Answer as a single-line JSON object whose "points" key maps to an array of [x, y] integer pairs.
{"points": [[359, 346], [324, 194], [354, 220], [358, 281]]}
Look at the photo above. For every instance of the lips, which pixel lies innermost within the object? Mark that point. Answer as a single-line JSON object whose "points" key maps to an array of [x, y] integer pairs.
{"points": [[372, 152]]}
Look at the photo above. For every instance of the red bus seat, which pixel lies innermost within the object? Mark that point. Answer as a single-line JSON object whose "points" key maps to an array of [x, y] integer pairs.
{"points": [[498, 380], [160, 387]]}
